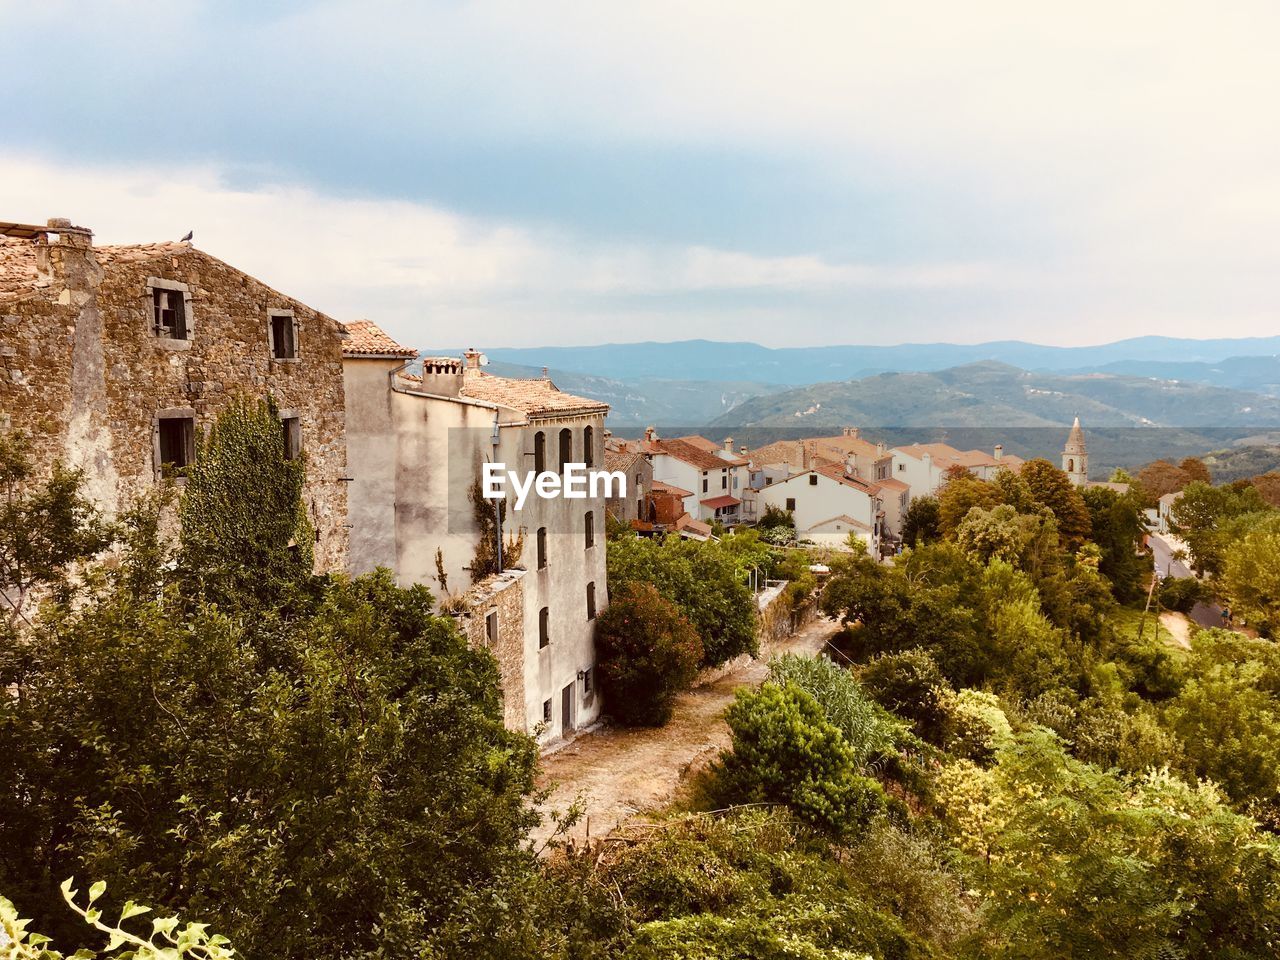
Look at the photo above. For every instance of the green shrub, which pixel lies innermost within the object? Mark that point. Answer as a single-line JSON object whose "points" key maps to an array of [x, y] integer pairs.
{"points": [[910, 684], [1183, 593], [785, 751], [646, 653]]}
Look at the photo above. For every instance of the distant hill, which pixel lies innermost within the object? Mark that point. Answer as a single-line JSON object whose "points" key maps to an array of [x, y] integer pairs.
{"points": [[1258, 374], [645, 402], [707, 360]]}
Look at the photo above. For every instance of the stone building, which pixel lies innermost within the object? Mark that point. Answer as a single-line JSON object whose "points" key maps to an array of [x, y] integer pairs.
{"points": [[113, 359], [1075, 456], [416, 444]]}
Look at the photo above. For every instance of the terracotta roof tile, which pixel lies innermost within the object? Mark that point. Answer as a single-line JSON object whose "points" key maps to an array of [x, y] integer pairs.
{"points": [[724, 500], [18, 267], [688, 453], [531, 397], [659, 487], [366, 339], [892, 484]]}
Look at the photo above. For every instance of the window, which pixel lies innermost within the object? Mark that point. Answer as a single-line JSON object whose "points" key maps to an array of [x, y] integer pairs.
{"points": [[292, 429], [586, 681], [177, 444], [791, 504], [491, 627], [566, 448], [591, 529], [589, 446], [591, 601], [724, 481], [169, 312], [544, 628], [546, 711], [539, 452], [542, 548], [902, 467], [704, 483], [813, 479], [284, 343]]}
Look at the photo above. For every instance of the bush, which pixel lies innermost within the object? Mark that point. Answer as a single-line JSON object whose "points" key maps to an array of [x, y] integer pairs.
{"points": [[975, 726], [910, 684], [1182, 593], [646, 653], [785, 751], [868, 729]]}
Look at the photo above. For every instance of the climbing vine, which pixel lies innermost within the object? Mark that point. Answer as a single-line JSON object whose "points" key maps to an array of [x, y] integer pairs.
{"points": [[245, 527], [484, 562]]}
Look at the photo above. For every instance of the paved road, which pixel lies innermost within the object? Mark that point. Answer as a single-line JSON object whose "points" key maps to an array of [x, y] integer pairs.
{"points": [[1205, 614]]}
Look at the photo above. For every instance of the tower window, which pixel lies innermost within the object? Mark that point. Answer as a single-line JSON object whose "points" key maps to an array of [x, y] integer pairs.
{"points": [[539, 452], [542, 548], [544, 628]]}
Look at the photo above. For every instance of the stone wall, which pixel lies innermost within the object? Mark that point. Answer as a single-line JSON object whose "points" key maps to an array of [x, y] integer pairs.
{"points": [[501, 594], [85, 373]]}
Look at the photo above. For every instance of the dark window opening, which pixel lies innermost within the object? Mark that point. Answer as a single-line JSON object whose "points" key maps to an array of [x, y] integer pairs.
{"points": [[791, 504], [283, 344], [704, 483], [724, 482], [177, 444], [591, 529], [566, 448], [170, 313], [544, 627], [292, 429], [491, 627], [539, 452], [546, 711], [542, 547], [586, 680], [589, 446], [591, 601], [813, 479]]}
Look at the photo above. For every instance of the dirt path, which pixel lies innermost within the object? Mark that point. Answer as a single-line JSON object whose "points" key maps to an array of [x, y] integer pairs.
{"points": [[621, 773], [1179, 628]]}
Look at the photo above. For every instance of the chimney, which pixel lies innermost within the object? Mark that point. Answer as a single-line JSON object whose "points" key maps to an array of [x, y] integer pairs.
{"points": [[70, 261], [728, 444], [999, 451], [442, 376], [742, 450], [881, 449], [802, 461], [650, 434], [853, 432], [472, 359], [545, 375]]}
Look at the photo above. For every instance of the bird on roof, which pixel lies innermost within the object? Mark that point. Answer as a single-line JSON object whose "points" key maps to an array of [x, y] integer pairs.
{"points": [[187, 238]]}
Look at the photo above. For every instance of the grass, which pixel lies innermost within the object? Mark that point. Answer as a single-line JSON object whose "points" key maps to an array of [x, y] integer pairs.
{"points": [[1126, 621]]}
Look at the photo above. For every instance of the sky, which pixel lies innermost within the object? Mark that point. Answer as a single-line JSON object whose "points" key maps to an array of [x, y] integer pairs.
{"points": [[798, 173]]}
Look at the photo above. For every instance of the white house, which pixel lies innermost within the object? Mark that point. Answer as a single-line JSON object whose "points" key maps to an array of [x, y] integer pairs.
{"points": [[827, 505], [717, 483], [415, 450]]}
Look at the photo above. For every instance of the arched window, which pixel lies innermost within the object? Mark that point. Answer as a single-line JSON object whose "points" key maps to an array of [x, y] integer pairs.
{"points": [[1071, 465], [566, 448], [591, 529], [589, 446], [539, 452], [591, 601]]}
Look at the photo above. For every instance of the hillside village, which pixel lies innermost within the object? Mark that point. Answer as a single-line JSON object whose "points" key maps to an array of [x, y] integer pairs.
{"points": [[116, 358], [275, 662]]}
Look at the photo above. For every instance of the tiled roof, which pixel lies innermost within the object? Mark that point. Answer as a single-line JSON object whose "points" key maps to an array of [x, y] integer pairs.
{"points": [[140, 252], [892, 484], [688, 453], [837, 473], [724, 500], [686, 524], [366, 339], [842, 518], [828, 448], [701, 442], [941, 454], [530, 397], [620, 460], [659, 487]]}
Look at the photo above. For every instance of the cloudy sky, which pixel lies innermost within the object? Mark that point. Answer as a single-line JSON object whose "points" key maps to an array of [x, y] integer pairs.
{"points": [[519, 173]]}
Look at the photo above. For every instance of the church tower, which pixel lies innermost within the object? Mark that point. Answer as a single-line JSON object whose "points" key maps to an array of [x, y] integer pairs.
{"points": [[1075, 456]]}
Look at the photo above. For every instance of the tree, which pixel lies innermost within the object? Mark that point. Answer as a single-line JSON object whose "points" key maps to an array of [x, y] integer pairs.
{"points": [[1160, 477], [246, 536], [46, 528], [1050, 488], [646, 653], [706, 582], [785, 751], [1268, 487], [922, 523], [1251, 577], [1195, 469], [1116, 526], [960, 494], [1201, 516]]}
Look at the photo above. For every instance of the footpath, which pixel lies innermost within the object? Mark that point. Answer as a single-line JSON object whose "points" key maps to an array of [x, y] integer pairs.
{"points": [[620, 773]]}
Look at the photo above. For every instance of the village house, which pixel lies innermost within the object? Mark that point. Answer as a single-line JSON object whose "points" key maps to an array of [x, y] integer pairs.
{"points": [[114, 359], [417, 444], [827, 504], [715, 476], [626, 458], [923, 466]]}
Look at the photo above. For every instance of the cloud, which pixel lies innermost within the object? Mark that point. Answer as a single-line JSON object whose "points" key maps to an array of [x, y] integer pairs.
{"points": [[423, 271]]}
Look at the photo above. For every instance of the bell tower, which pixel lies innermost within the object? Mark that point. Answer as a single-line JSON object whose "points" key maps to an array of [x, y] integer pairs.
{"points": [[1075, 456]]}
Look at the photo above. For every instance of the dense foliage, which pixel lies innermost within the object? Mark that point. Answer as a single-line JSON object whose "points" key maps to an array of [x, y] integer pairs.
{"points": [[646, 653]]}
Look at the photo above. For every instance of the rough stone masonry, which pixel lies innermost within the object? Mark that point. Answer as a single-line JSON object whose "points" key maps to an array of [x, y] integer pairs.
{"points": [[113, 358]]}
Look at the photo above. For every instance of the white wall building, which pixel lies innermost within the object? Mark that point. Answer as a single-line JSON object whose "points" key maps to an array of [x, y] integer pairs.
{"points": [[415, 449], [827, 505]]}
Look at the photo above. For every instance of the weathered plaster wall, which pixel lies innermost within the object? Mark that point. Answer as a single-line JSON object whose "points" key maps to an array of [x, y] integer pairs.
{"points": [[503, 595]]}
